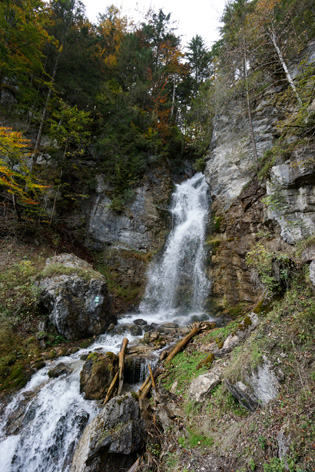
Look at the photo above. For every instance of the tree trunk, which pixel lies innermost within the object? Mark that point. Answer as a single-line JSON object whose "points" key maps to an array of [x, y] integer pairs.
{"points": [[121, 364], [44, 113], [273, 38], [182, 344], [111, 389]]}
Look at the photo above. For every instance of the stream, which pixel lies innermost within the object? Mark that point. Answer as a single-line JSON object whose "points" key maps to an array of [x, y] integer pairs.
{"points": [[41, 425]]}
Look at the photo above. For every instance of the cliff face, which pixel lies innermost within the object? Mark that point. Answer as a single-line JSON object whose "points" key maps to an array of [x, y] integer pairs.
{"points": [[123, 242], [277, 211]]}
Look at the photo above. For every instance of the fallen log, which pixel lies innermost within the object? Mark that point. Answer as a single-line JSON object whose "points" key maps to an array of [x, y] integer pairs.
{"points": [[134, 467], [111, 389], [121, 365], [146, 390], [152, 378], [119, 376], [182, 343], [143, 386], [149, 381]]}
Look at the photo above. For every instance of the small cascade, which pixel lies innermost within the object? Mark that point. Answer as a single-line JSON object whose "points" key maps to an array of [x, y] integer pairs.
{"points": [[40, 427]]}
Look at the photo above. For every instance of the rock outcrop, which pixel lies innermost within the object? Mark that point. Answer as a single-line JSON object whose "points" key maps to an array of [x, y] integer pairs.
{"points": [[258, 388], [278, 210], [75, 297], [127, 238], [231, 163], [111, 442]]}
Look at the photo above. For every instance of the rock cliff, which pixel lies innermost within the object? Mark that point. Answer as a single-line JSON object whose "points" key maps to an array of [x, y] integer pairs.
{"points": [[275, 207], [123, 240]]}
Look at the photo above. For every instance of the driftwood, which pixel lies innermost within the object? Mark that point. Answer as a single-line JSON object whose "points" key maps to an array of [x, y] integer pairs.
{"points": [[111, 389], [149, 381], [134, 467], [119, 376], [121, 364], [182, 343], [143, 386], [152, 378], [146, 390]]}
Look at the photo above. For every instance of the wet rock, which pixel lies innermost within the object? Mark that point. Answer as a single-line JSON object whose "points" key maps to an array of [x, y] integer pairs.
{"points": [[202, 386], [75, 297], [133, 329], [77, 423], [97, 374], [140, 322], [59, 369], [111, 442], [169, 325], [15, 420], [151, 337], [135, 369]]}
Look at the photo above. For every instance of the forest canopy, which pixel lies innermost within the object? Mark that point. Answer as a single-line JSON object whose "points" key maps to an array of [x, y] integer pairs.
{"points": [[116, 97]]}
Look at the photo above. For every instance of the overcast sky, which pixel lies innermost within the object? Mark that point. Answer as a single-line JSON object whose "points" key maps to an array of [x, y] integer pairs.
{"points": [[193, 17]]}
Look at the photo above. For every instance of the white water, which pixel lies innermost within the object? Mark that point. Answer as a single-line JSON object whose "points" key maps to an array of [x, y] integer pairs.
{"points": [[53, 410], [177, 285]]}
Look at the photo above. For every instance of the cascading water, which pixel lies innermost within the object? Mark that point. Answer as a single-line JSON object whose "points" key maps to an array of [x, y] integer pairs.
{"points": [[177, 284], [42, 424]]}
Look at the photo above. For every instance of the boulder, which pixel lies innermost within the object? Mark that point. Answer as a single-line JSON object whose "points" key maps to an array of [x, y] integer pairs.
{"points": [[97, 374], [75, 297], [112, 441], [202, 386], [59, 369]]}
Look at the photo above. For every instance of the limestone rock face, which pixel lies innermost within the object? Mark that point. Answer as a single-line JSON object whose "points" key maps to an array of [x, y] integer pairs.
{"points": [[126, 239], [231, 163], [292, 192], [258, 387], [97, 374], [140, 225], [111, 441], [235, 236], [75, 296]]}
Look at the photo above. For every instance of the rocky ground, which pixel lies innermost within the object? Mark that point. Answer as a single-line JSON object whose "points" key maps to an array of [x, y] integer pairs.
{"points": [[252, 408]]}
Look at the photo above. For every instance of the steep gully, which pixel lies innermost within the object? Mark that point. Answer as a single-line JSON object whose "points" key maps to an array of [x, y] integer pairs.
{"points": [[42, 424]]}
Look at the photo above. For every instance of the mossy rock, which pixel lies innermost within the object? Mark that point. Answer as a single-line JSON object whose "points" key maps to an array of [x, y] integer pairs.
{"points": [[207, 361], [97, 375]]}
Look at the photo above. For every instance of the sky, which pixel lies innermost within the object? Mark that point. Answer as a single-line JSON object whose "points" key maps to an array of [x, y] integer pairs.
{"points": [[193, 17]]}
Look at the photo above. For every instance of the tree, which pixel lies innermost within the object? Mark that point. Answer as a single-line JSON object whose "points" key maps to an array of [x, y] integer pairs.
{"points": [[23, 35], [199, 60], [270, 21], [235, 54], [16, 178], [69, 129]]}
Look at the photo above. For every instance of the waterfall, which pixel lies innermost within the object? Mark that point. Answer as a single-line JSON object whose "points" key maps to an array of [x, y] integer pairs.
{"points": [[40, 427], [177, 282]]}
